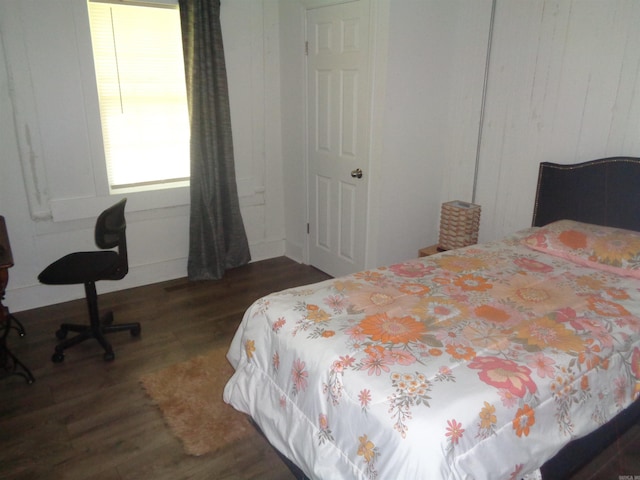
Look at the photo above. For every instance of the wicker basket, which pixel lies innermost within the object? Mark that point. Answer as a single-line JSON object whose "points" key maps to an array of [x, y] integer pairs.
{"points": [[459, 224]]}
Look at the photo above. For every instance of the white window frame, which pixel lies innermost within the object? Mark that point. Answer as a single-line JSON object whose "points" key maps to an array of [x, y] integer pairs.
{"points": [[69, 209], [175, 201]]}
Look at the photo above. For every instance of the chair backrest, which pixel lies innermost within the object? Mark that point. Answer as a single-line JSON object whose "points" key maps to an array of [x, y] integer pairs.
{"points": [[110, 232]]}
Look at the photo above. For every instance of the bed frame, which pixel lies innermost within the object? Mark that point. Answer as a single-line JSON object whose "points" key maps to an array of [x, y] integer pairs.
{"points": [[602, 192]]}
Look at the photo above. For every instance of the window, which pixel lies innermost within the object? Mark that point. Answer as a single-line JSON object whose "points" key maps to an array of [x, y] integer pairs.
{"points": [[141, 89]]}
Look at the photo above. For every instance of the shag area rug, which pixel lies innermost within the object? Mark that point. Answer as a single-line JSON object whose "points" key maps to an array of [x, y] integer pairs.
{"points": [[189, 395]]}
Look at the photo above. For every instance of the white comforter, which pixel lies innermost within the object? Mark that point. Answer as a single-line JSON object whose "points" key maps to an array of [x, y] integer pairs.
{"points": [[478, 363]]}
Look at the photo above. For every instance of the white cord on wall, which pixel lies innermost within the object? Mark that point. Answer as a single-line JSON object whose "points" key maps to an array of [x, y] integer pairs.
{"points": [[484, 99]]}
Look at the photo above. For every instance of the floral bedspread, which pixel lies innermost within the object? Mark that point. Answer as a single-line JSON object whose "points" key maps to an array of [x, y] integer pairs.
{"points": [[476, 363]]}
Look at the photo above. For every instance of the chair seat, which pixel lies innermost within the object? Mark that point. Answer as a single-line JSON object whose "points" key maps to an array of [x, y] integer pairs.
{"points": [[82, 267]]}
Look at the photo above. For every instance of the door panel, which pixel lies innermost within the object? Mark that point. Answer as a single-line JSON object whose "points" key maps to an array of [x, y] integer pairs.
{"points": [[338, 135], [323, 206], [347, 221]]}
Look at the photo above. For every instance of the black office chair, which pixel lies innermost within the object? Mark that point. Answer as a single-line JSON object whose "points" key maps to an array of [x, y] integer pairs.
{"points": [[88, 268]]}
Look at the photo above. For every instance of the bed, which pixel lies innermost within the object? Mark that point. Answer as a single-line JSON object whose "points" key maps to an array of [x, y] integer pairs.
{"points": [[512, 359]]}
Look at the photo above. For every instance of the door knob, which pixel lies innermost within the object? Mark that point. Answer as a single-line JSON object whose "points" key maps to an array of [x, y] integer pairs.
{"points": [[357, 173]]}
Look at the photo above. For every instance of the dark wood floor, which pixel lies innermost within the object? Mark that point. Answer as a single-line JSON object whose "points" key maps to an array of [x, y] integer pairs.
{"points": [[89, 419]]}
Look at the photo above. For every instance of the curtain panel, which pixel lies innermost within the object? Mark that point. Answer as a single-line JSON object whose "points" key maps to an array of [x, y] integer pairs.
{"points": [[217, 237]]}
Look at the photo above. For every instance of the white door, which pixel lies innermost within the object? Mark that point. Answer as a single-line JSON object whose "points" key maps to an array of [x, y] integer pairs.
{"points": [[338, 106]]}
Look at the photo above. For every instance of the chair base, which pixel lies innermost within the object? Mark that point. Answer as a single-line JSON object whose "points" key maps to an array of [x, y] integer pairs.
{"points": [[96, 330]]}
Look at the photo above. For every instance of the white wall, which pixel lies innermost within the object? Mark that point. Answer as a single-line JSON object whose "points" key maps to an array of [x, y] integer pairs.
{"points": [[562, 86], [52, 183], [292, 84], [434, 87]]}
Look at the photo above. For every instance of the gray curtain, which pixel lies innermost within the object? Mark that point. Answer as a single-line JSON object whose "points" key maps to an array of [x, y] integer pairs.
{"points": [[217, 238]]}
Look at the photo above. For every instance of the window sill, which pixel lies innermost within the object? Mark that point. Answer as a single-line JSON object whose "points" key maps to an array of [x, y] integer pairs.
{"points": [[68, 209]]}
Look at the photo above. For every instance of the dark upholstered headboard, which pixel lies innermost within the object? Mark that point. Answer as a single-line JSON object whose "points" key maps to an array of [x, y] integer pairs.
{"points": [[603, 192]]}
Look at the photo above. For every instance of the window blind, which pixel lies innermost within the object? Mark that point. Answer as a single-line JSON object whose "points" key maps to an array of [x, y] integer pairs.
{"points": [[142, 94]]}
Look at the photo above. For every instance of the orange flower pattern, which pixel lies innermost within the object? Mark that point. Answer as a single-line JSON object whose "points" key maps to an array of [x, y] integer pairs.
{"points": [[544, 332], [525, 419], [250, 347], [488, 421], [369, 452], [453, 350], [392, 330]]}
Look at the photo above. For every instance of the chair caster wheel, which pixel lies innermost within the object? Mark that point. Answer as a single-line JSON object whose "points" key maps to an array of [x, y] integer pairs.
{"points": [[57, 357], [109, 356], [61, 334], [135, 332]]}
